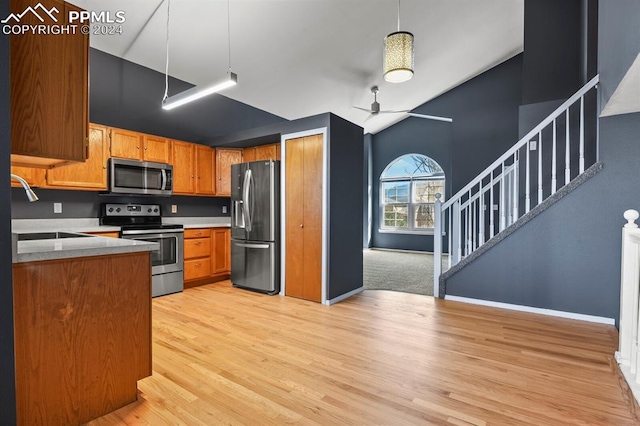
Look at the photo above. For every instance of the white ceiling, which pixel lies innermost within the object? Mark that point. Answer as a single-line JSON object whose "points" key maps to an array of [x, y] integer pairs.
{"points": [[296, 58], [626, 98]]}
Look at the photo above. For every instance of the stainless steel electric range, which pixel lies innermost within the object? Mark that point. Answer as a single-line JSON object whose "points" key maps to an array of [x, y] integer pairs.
{"points": [[144, 222]]}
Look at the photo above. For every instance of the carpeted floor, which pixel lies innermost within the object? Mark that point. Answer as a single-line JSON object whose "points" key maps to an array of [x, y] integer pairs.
{"points": [[408, 272]]}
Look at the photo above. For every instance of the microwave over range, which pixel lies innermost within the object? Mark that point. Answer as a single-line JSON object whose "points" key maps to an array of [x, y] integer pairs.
{"points": [[140, 177]]}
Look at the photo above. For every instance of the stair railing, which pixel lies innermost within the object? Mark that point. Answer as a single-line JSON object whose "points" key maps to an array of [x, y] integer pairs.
{"points": [[544, 160]]}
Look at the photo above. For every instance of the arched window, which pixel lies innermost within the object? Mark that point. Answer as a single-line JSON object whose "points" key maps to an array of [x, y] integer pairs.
{"points": [[408, 188]]}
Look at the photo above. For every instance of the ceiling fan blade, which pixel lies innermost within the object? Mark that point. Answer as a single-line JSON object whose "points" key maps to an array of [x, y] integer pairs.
{"points": [[363, 109], [368, 117], [391, 111], [431, 117]]}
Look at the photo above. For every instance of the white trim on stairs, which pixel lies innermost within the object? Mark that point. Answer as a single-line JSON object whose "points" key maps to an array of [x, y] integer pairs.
{"points": [[531, 309]]}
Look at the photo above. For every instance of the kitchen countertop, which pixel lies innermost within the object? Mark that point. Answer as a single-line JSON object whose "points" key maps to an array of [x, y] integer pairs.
{"points": [[65, 248], [68, 225], [199, 222]]}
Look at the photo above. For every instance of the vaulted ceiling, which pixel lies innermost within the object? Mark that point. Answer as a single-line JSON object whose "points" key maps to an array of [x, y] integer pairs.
{"points": [[296, 58]]}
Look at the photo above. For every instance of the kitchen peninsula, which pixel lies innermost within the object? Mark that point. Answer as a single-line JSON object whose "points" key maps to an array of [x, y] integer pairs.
{"points": [[82, 311]]}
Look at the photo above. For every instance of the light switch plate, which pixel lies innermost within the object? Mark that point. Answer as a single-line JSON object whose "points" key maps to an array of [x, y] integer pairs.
{"points": [[174, 208], [224, 209], [57, 207]]}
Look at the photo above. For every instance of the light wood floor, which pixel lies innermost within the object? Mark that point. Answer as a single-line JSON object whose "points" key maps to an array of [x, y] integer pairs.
{"points": [[226, 356]]}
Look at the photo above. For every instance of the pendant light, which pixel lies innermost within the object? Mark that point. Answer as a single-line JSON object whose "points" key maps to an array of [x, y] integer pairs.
{"points": [[398, 55], [197, 92]]}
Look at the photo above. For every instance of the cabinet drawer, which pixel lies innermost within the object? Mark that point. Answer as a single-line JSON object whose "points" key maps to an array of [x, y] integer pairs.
{"points": [[197, 247], [197, 268], [197, 233]]}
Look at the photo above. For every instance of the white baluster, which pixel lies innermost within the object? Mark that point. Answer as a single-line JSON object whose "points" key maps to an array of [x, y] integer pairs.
{"points": [[540, 167], [449, 236], [491, 212], [516, 183], [554, 178], [582, 134], [437, 244], [468, 234], [474, 240], [503, 213], [481, 217], [457, 233], [627, 340], [527, 185], [567, 154]]}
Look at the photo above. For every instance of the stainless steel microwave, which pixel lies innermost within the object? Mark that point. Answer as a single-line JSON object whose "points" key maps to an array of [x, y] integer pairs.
{"points": [[140, 177]]}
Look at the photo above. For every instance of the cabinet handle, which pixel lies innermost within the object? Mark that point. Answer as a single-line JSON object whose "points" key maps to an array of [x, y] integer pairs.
{"points": [[197, 243], [197, 265], [137, 147], [145, 148], [301, 226]]}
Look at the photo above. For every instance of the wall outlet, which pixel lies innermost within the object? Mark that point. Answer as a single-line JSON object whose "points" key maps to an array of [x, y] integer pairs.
{"points": [[57, 207], [533, 145], [496, 207], [174, 208], [224, 209]]}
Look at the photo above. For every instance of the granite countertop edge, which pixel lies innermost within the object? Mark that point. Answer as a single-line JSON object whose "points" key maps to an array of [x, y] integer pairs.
{"points": [[69, 248]]}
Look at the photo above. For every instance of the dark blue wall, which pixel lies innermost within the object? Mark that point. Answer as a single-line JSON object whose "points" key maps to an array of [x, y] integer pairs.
{"points": [[485, 124], [86, 204], [7, 369], [345, 206], [568, 258], [127, 95], [552, 49]]}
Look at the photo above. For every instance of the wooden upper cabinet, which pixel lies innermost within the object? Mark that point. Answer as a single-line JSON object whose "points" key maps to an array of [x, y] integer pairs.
{"points": [[155, 148], [205, 170], [92, 174], [224, 159], [34, 176], [183, 160], [49, 91], [249, 154], [265, 152], [125, 144]]}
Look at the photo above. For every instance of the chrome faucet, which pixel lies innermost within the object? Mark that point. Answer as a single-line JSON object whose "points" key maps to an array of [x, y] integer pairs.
{"points": [[30, 194]]}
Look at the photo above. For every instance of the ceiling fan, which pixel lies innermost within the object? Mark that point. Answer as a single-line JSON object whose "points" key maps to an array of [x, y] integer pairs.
{"points": [[375, 110]]}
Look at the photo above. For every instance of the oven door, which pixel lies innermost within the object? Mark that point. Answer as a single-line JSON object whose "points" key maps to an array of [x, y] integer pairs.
{"points": [[169, 257]]}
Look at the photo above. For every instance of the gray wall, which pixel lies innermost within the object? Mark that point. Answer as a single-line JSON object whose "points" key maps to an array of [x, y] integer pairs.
{"points": [[127, 95], [485, 124], [345, 206], [7, 368], [86, 204], [568, 258], [552, 49]]}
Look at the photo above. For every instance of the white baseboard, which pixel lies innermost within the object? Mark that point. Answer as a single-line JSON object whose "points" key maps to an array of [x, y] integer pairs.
{"points": [[630, 378], [344, 296], [541, 311]]}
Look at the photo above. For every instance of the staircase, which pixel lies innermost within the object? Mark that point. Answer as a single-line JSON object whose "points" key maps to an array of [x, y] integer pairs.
{"points": [[545, 164]]}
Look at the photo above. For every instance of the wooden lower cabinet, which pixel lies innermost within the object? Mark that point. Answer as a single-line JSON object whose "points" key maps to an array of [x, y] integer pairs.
{"points": [[82, 336], [206, 255], [303, 263]]}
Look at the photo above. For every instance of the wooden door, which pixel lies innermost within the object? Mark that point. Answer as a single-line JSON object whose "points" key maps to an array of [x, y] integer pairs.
{"points": [[183, 167], [265, 152], [221, 244], [155, 149], [303, 199], [125, 144], [205, 170], [224, 159], [92, 174]]}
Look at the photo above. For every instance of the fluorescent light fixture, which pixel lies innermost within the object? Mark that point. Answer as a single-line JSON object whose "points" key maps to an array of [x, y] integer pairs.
{"points": [[198, 92]]}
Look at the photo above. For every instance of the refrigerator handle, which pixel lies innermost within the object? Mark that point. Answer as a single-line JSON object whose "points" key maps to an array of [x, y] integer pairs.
{"points": [[245, 200], [237, 217]]}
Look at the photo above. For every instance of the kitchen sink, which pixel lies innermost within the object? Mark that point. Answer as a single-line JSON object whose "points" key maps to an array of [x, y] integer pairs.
{"points": [[49, 235]]}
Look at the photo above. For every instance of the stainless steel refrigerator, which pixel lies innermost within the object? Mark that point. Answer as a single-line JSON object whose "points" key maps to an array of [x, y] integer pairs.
{"points": [[255, 226]]}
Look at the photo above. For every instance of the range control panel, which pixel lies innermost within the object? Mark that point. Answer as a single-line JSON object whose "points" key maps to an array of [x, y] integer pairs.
{"points": [[132, 210]]}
